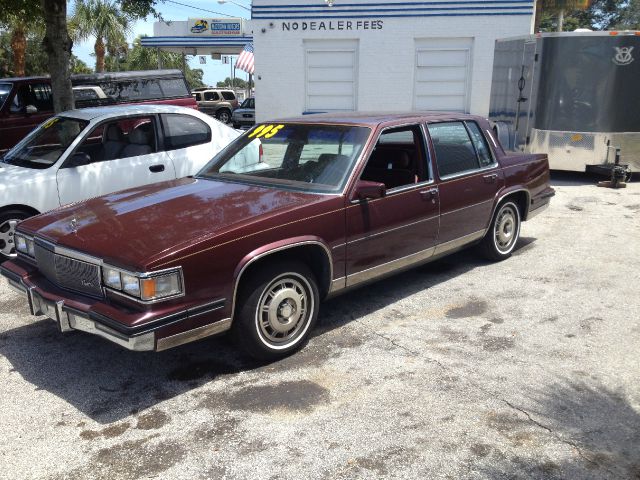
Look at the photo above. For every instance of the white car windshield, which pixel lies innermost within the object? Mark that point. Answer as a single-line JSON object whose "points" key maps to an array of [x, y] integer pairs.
{"points": [[311, 157], [5, 90], [44, 145]]}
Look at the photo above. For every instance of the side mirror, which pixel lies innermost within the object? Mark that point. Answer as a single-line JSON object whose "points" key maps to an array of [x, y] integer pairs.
{"points": [[366, 190], [30, 109], [78, 160]]}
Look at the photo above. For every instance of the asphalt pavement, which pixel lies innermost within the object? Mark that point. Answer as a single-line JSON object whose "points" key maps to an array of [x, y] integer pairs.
{"points": [[461, 369]]}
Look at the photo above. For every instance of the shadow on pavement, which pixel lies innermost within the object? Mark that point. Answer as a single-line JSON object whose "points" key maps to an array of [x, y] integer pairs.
{"points": [[108, 383], [599, 425]]}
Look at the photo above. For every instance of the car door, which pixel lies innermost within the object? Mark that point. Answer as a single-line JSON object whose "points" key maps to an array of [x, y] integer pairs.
{"points": [[117, 154], [469, 179], [401, 228]]}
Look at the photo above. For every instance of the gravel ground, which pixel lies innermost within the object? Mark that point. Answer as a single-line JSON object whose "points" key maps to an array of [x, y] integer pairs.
{"points": [[526, 368]]}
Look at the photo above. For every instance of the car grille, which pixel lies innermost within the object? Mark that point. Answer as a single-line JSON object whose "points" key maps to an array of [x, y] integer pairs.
{"points": [[69, 273]]}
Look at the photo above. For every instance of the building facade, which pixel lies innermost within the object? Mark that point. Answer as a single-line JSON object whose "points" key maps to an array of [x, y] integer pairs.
{"points": [[378, 55]]}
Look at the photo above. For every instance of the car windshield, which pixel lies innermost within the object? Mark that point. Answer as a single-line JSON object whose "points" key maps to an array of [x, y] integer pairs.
{"points": [[5, 90], [44, 145], [248, 103], [315, 158]]}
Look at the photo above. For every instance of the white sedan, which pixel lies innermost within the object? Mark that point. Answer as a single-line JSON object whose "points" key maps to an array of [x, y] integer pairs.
{"points": [[85, 153]]}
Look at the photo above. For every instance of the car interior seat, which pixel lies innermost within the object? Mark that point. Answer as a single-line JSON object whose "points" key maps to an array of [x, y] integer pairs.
{"points": [[139, 142], [113, 142]]}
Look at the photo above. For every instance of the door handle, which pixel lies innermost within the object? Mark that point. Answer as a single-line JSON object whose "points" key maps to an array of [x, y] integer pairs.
{"points": [[156, 168], [429, 194], [490, 178]]}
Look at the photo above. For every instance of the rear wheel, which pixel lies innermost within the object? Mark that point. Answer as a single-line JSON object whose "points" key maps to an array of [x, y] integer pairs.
{"points": [[276, 310], [9, 219], [503, 234], [223, 115]]}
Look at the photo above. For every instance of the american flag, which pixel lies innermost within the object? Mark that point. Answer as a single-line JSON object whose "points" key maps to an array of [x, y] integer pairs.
{"points": [[245, 60]]}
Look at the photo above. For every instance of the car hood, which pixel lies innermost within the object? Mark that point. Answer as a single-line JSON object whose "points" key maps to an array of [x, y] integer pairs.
{"points": [[244, 110], [135, 227]]}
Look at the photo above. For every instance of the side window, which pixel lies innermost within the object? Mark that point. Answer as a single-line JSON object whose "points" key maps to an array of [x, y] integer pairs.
{"points": [[181, 131], [398, 158], [211, 96], [479, 141], [38, 95], [124, 138], [198, 97], [41, 97], [173, 87], [228, 95], [453, 148]]}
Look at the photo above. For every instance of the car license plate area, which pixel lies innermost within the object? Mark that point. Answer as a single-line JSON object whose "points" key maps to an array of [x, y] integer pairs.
{"points": [[41, 306]]}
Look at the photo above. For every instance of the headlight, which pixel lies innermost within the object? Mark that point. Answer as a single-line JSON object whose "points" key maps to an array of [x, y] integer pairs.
{"points": [[161, 286], [131, 284], [146, 287], [24, 244], [111, 278]]}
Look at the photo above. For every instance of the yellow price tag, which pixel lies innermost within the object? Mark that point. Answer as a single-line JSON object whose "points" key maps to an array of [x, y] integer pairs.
{"points": [[266, 131], [50, 122]]}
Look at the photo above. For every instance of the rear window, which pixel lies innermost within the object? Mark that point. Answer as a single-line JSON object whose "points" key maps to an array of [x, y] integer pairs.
{"points": [[174, 87], [228, 95], [181, 131], [132, 90]]}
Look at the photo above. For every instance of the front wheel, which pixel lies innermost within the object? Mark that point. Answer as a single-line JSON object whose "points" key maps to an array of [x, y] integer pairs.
{"points": [[503, 234], [9, 219], [223, 115], [276, 310]]}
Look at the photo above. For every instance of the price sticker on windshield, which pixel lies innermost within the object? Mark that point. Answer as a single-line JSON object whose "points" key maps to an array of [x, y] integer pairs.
{"points": [[50, 122], [266, 131]]}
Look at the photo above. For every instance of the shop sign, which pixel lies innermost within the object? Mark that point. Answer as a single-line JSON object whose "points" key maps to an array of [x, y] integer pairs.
{"points": [[217, 27], [338, 25]]}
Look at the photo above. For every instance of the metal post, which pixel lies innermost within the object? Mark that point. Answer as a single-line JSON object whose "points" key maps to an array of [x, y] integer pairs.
{"points": [[184, 63], [159, 58]]}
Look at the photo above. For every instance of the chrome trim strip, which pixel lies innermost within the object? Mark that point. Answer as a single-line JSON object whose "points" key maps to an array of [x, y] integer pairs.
{"points": [[475, 171], [468, 206], [193, 334], [458, 242], [140, 343], [373, 235], [279, 249], [379, 270], [338, 284], [409, 186], [505, 195], [340, 245]]}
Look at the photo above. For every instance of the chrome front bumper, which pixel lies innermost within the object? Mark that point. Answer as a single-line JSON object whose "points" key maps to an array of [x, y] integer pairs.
{"points": [[69, 319]]}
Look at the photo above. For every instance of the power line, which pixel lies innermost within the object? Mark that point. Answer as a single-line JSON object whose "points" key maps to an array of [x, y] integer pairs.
{"points": [[199, 8]]}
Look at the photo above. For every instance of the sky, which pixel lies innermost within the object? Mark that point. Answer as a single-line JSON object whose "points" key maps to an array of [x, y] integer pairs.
{"points": [[214, 70]]}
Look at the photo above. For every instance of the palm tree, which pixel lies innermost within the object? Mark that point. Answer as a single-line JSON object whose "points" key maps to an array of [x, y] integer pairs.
{"points": [[101, 19], [559, 7]]}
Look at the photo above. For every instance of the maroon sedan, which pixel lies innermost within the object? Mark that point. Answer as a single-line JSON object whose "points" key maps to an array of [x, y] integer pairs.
{"points": [[255, 242]]}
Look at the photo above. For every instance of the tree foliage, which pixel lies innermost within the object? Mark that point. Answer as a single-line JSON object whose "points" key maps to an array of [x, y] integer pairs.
{"points": [[236, 82], [601, 15], [143, 58], [103, 20]]}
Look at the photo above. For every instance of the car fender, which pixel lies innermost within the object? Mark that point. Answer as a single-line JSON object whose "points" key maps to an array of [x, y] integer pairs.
{"points": [[505, 192], [35, 189], [275, 247]]}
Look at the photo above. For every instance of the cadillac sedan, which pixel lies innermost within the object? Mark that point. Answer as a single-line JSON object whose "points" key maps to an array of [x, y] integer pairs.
{"points": [[89, 152], [336, 201]]}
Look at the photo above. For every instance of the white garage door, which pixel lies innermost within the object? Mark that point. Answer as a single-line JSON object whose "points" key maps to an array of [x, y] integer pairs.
{"points": [[331, 74], [442, 76]]}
